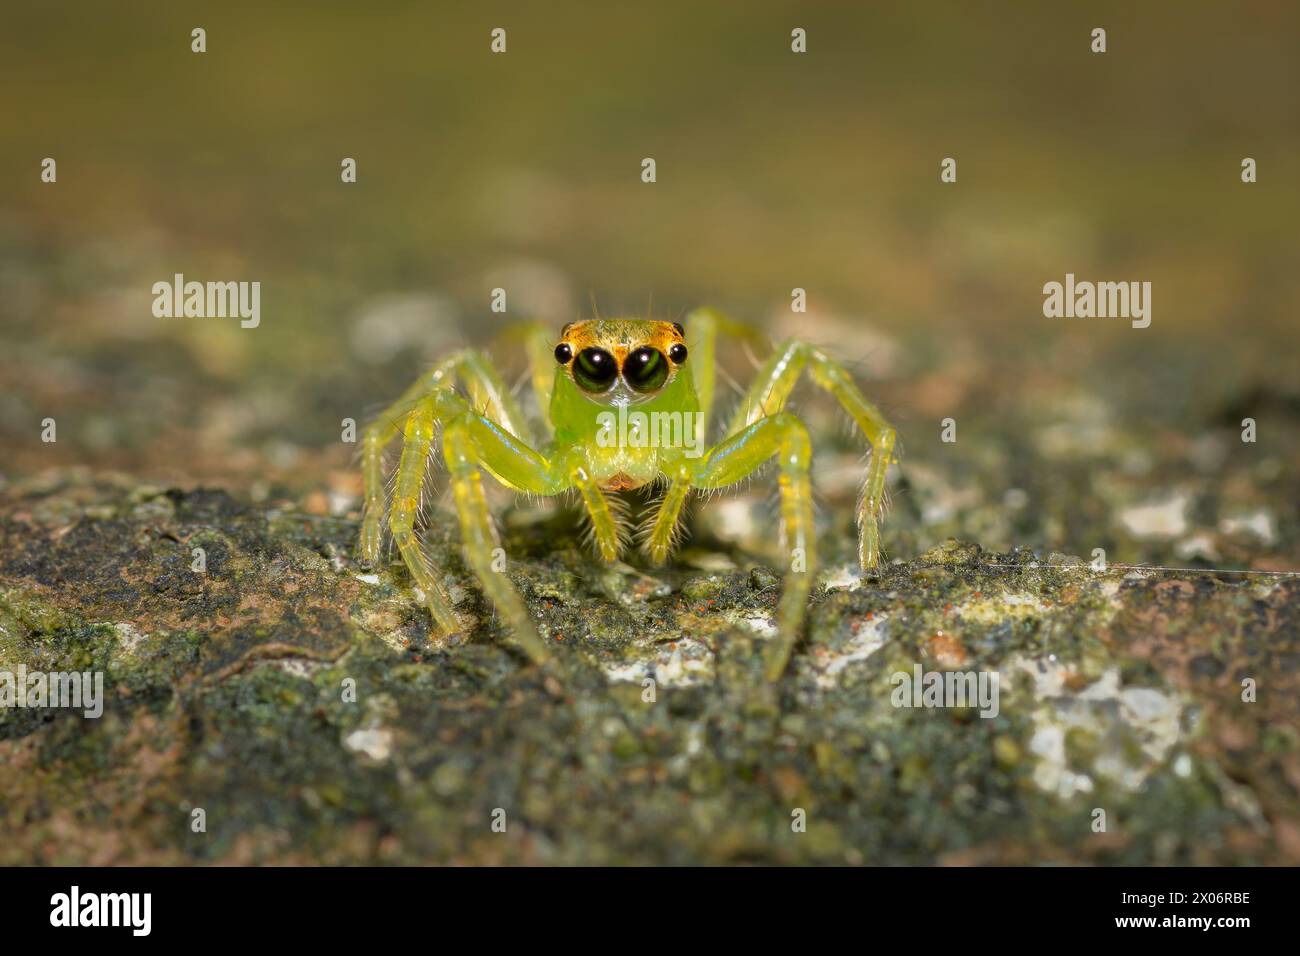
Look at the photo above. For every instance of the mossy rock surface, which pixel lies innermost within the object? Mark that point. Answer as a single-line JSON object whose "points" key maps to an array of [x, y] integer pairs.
{"points": [[226, 691]]}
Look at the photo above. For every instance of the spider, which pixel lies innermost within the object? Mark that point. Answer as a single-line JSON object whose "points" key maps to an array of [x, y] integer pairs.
{"points": [[628, 404]]}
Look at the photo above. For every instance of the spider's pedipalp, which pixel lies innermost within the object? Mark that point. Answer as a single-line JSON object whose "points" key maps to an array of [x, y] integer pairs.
{"points": [[607, 530], [662, 530]]}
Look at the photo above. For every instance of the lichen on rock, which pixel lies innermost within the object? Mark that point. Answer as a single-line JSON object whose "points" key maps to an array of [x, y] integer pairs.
{"points": [[306, 707]]}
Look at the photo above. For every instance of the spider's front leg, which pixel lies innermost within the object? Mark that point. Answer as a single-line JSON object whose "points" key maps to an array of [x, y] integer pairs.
{"points": [[487, 391], [786, 437], [408, 489], [704, 327], [469, 440], [768, 395]]}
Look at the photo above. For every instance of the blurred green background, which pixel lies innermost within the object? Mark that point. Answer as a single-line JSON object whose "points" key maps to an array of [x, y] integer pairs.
{"points": [[775, 171]]}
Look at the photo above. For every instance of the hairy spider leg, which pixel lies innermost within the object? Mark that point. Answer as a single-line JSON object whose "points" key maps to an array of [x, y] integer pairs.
{"points": [[739, 456], [703, 327], [539, 346], [768, 395], [606, 529], [487, 392], [407, 488], [471, 442]]}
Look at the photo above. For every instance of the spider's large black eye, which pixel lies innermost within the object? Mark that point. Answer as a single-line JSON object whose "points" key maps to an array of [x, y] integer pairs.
{"points": [[563, 352], [595, 370], [645, 369]]}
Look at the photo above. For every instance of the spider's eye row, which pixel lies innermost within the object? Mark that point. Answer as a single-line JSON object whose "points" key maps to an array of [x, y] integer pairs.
{"points": [[595, 370], [677, 353], [645, 369], [563, 352]]}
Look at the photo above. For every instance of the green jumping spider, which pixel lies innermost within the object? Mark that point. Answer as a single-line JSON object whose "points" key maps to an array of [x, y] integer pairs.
{"points": [[600, 372]]}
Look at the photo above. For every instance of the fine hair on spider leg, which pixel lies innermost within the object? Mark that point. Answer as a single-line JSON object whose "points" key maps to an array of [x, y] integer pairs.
{"points": [[431, 491], [886, 502], [620, 510], [772, 505], [568, 506], [653, 504], [533, 413]]}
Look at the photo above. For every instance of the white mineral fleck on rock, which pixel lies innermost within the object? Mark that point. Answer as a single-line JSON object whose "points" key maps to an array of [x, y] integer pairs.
{"points": [[993, 609], [1164, 518], [868, 637], [690, 662], [298, 666], [1257, 523], [1155, 714], [1199, 545], [128, 638], [1112, 716], [844, 577], [375, 743]]}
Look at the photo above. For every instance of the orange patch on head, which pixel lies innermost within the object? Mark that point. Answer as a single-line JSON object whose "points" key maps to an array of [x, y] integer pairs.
{"points": [[621, 336]]}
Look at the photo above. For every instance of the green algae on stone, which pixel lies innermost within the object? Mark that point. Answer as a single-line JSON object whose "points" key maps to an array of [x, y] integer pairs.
{"points": [[311, 714]]}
